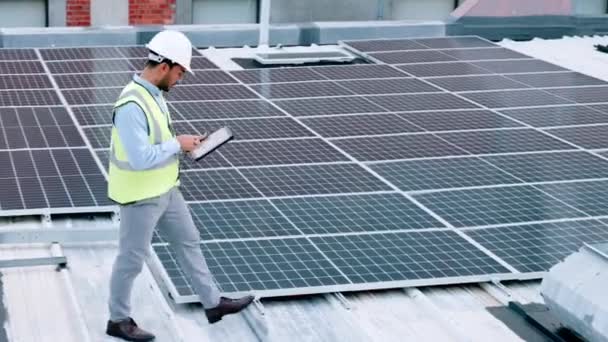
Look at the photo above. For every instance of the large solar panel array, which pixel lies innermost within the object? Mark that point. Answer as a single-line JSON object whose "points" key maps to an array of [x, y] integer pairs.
{"points": [[445, 160]]}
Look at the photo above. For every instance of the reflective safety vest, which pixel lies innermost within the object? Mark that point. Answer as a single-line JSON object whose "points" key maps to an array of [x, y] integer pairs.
{"points": [[125, 184]]}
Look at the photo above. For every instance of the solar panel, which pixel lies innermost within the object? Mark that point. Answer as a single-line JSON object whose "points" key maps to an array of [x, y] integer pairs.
{"points": [[538, 247], [329, 106], [201, 63], [236, 220], [29, 97], [356, 213], [388, 86], [504, 141], [518, 66], [56, 54], [546, 167], [418, 102], [207, 77], [90, 66], [285, 152], [56, 179], [501, 205], [454, 42], [406, 256], [93, 115], [25, 82], [278, 192], [223, 110], [313, 180], [99, 136], [17, 54], [442, 173], [258, 265], [92, 95], [216, 185], [557, 116], [295, 90], [469, 83], [263, 128], [21, 67], [484, 54], [459, 120], [582, 94], [443, 69], [590, 137], [558, 79], [357, 71], [515, 98], [93, 80], [587, 197], [133, 51], [385, 45], [407, 57], [277, 75], [355, 125], [210, 92], [398, 147]]}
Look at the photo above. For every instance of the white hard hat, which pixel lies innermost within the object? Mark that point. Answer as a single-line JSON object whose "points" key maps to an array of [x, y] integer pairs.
{"points": [[172, 45]]}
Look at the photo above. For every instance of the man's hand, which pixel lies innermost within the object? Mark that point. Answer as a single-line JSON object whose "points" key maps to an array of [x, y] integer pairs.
{"points": [[189, 142]]}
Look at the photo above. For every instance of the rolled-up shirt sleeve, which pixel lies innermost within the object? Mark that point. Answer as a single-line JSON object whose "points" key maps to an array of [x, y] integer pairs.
{"points": [[130, 121]]}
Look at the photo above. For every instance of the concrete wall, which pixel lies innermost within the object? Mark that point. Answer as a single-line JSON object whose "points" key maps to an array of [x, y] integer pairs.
{"points": [[298, 11], [22, 13], [224, 11]]}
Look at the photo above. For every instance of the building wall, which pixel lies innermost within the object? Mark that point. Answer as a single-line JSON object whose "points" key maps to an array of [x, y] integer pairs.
{"points": [[78, 12], [20, 13], [148, 12]]}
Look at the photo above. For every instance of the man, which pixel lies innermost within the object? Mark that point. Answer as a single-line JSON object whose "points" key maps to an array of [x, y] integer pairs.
{"points": [[144, 180]]}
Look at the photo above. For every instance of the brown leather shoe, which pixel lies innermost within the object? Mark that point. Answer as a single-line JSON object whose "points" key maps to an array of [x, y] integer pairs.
{"points": [[227, 306], [127, 330]]}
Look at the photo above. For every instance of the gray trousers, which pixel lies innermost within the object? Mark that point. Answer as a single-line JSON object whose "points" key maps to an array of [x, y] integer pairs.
{"points": [[170, 213]]}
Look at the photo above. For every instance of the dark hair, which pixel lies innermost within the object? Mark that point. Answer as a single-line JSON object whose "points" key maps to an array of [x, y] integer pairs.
{"points": [[152, 64]]}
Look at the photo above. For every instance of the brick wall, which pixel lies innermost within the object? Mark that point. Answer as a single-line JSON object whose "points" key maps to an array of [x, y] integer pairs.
{"points": [[78, 12], [146, 12]]}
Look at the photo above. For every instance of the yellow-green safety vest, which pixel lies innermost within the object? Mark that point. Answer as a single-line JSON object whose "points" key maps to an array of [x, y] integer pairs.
{"points": [[125, 184]]}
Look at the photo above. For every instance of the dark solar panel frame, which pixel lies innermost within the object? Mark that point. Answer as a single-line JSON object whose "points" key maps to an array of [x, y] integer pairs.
{"points": [[210, 92], [329, 106], [515, 98], [588, 137], [359, 125], [277, 75], [281, 152], [408, 57], [538, 247], [458, 120], [504, 141], [18, 55], [420, 102], [557, 116], [252, 129], [472, 83], [398, 147], [358, 71], [21, 67], [90, 66], [211, 110], [494, 53], [34, 81], [29, 97], [297, 90], [313, 180], [498, 205], [388, 86], [443, 69], [442, 174]]}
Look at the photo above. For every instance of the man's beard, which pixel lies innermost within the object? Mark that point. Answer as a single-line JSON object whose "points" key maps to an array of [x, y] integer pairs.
{"points": [[164, 84]]}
